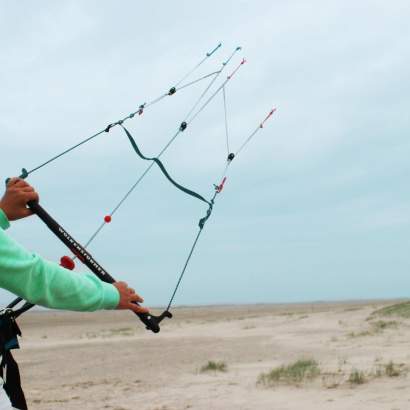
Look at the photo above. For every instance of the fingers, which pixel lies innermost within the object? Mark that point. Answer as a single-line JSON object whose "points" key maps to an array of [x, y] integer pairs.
{"points": [[17, 182], [14, 201], [136, 298], [138, 309], [23, 187], [12, 181], [31, 196], [25, 194], [128, 298], [123, 288], [26, 212], [21, 184]]}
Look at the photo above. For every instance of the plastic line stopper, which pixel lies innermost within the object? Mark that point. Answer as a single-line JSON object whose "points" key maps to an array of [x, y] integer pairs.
{"points": [[67, 263]]}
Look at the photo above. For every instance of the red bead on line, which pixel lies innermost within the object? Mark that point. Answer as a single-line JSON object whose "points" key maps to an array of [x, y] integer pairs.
{"points": [[107, 219]]}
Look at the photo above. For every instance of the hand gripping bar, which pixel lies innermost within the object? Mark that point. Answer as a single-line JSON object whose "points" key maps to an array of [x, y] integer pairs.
{"points": [[150, 321]]}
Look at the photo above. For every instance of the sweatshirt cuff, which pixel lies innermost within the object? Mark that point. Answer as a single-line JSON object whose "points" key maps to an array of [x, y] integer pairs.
{"points": [[111, 297], [4, 222]]}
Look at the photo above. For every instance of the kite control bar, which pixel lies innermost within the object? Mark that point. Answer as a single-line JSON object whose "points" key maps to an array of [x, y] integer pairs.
{"points": [[150, 321]]}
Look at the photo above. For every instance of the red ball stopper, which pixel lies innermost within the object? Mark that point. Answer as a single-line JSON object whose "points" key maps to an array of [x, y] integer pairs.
{"points": [[67, 262], [107, 219]]}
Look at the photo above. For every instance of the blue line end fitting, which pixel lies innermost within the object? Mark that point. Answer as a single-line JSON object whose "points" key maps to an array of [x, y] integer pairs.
{"points": [[209, 54]]}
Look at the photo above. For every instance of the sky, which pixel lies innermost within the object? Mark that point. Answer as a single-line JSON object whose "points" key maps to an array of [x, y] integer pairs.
{"points": [[315, 207]]}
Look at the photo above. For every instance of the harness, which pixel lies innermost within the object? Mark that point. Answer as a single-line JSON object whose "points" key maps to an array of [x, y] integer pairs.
{"points": [[10, 373]]}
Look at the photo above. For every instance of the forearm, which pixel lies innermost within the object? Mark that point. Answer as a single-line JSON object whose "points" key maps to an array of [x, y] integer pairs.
{"points": [[47, 284]]}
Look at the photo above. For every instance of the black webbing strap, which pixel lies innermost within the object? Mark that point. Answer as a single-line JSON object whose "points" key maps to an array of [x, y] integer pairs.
{"points": [[10, 373], [161, 166], [12, 382]]}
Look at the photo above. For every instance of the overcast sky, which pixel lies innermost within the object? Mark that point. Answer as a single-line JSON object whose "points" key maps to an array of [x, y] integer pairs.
{"points": [[316, 206]]}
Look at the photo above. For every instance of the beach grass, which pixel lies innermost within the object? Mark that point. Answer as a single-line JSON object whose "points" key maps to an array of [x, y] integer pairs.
{"points": [[212, 366], [392, 370], [381, 324], [293, 374], [398, 309], [357, 377]]}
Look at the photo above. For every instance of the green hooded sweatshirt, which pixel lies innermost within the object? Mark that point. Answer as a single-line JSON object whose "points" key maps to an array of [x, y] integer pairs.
{"points": [[45, 283]]}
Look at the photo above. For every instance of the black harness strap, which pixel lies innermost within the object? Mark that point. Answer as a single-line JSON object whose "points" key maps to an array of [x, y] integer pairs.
{"points": [[10, 373]]}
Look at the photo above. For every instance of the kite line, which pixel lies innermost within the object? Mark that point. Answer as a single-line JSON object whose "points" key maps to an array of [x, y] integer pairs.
{"points": [[192, 114]]}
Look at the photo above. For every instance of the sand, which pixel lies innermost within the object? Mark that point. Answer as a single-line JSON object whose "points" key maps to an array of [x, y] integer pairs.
{"points": [[107, 360]]}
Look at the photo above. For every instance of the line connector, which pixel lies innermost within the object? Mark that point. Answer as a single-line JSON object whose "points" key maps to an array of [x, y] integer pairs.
{"points": [[202, 221], [227, 61], [141, 108], [24, 175], [263, 122], [220, 187], [213, 51], [109, 127], [243, 62]]}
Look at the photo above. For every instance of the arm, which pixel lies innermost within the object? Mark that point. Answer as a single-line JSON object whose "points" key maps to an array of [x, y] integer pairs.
{"points": [[45, 283]]}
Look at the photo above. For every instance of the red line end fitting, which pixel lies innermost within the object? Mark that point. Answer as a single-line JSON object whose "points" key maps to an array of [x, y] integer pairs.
{"points": [[263, 122], [107, 219], [221, 186], [243, 62]]}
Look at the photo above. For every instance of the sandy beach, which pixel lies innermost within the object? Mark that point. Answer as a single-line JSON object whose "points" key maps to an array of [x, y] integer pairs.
{"points": [[107, 360]]}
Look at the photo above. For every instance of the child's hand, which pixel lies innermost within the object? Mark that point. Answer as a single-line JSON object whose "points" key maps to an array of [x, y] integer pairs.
{"points": [[14, 202], [127, 296]]}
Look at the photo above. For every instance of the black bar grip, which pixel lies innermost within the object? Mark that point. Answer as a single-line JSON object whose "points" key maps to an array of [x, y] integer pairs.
{"points": [[151, 322]]}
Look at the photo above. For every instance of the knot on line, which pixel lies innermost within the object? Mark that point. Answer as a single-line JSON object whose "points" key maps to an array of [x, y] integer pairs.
{"points": [[109, 127], [114, 124], [205, 218]]}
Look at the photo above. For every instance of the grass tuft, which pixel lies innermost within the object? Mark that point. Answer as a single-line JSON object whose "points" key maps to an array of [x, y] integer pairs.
{"points": [[376, 327], [293, 374], [357, 377], [392, 370], [212, 366], [352, 334], [381, 324]]}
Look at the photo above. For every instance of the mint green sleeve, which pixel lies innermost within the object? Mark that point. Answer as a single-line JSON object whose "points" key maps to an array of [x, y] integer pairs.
{"points": [[47, 284]]}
